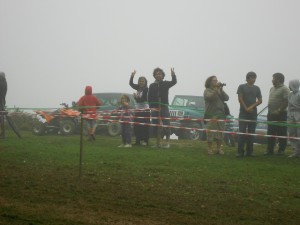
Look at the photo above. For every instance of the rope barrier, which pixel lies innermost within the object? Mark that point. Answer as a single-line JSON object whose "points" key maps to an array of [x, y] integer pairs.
{"points": [[106, 116], [205, 130]]}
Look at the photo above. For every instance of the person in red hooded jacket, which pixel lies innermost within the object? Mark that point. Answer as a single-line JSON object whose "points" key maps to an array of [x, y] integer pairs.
{"points": [[88, 106]]}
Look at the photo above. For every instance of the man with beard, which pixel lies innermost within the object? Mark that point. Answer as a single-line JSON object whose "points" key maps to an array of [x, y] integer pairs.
{"points": [[277, 114]]}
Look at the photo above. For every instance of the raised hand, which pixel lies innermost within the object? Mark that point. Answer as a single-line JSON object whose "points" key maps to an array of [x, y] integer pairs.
{"points": [[172, 71], [133, 73]]}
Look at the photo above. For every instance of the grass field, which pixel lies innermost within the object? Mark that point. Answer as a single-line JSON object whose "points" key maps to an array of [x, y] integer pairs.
{"points": [[40, 184]]}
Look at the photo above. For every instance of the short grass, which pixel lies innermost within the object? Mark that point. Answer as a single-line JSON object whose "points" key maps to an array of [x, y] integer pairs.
{"points": [[40, 184]]}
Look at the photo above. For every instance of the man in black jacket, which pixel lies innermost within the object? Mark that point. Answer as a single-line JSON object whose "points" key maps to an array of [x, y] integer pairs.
{"points": [[158, 98]]}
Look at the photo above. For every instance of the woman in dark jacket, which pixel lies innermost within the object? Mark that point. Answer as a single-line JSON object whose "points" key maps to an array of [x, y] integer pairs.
{"points": [[142, 114]]}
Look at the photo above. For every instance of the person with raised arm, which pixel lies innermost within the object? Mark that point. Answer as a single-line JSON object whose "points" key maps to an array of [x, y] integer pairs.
{"points": [[158, 98], [142, 115]]}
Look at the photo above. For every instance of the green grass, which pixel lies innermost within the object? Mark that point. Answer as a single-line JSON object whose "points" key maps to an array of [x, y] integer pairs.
{"points": [[39, 184]]}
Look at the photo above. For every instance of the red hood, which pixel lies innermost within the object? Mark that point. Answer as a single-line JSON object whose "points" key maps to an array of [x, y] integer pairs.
{"points": [[88, 90]]}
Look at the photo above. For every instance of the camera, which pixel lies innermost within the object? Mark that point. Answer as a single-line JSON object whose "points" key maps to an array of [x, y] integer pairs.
{"points": [[221, 85]]}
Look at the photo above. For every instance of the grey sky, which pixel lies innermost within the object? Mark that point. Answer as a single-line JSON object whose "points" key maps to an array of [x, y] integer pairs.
{"points": [[51, 49]]}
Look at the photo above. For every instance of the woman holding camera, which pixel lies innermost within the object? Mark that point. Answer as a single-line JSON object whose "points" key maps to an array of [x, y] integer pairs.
{"points": [[214, 97]]}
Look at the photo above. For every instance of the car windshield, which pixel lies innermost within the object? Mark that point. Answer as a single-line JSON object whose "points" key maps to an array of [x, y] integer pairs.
{"points": [[192, 101]]}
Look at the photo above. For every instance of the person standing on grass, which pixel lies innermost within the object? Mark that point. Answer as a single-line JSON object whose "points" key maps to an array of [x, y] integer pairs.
{"points": [[143, 114], [88, 106], [214, 97], [158, 98], [249, 96], [294, 116], [126, 119], [277, 111]]}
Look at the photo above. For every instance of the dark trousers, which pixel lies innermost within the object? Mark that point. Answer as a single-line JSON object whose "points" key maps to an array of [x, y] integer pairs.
{"points": [[141, 132], [277, 129], [164, 113], [246, 127], [126, 133]]}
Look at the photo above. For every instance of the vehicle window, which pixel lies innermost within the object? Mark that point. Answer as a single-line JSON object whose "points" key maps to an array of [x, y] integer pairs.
{"points": [[178, 102], [111, 100], [196, 101]]}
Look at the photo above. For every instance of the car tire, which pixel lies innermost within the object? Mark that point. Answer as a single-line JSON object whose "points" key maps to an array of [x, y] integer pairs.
{"points": [[67, 127], [114, 129], [192, 134], [38, 128]]}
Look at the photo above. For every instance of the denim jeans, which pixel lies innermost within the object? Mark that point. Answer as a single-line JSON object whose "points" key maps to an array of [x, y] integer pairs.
{"points": [[246, 127]]}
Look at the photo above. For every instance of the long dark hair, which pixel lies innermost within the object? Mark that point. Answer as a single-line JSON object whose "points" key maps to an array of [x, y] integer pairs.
{"points": [[146, 82], [208, 81]]}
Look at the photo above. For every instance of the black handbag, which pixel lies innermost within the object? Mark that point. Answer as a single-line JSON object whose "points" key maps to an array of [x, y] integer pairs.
{"points": [[226, 109]]}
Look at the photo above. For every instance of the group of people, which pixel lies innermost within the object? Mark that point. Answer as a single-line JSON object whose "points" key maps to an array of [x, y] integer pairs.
{"points": [[283, 112], [283, 115], [156, 97]]}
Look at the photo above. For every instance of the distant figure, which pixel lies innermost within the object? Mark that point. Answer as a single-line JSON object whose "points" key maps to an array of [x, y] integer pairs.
{"points": [[88, 106], [249, 96], [141, 131], [214, 97], [294, 116], [126, 118], [158, 97], [277, 111], [3, 91]]}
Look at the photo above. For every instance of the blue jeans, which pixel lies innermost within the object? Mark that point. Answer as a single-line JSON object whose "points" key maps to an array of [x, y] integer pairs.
{"points": [[126, 133], [246, 127]]}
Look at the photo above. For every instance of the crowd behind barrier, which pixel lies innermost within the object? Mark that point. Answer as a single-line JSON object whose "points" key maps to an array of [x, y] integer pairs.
{"points": [[106, 115], [282, 120]]}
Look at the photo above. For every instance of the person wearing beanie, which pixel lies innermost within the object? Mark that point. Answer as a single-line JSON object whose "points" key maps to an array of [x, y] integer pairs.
{"points": [[158, 98], [293, 117], [88, 106], [249, 96]]}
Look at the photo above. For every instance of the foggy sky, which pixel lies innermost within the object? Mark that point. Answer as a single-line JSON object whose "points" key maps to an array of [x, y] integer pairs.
{"points": [[51, 49]]}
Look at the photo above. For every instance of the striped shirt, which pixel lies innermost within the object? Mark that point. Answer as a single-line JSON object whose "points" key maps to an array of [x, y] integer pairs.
{"points": [[278, 97]]}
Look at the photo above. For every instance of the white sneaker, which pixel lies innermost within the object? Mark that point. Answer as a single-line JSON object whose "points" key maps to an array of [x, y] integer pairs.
{"points": [[166, 145], [156, 146], [127, 146], [121, 146], [294, 155]]}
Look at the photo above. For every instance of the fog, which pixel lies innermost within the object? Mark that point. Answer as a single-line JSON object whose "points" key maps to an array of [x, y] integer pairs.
{"points": [[51, 49]]}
